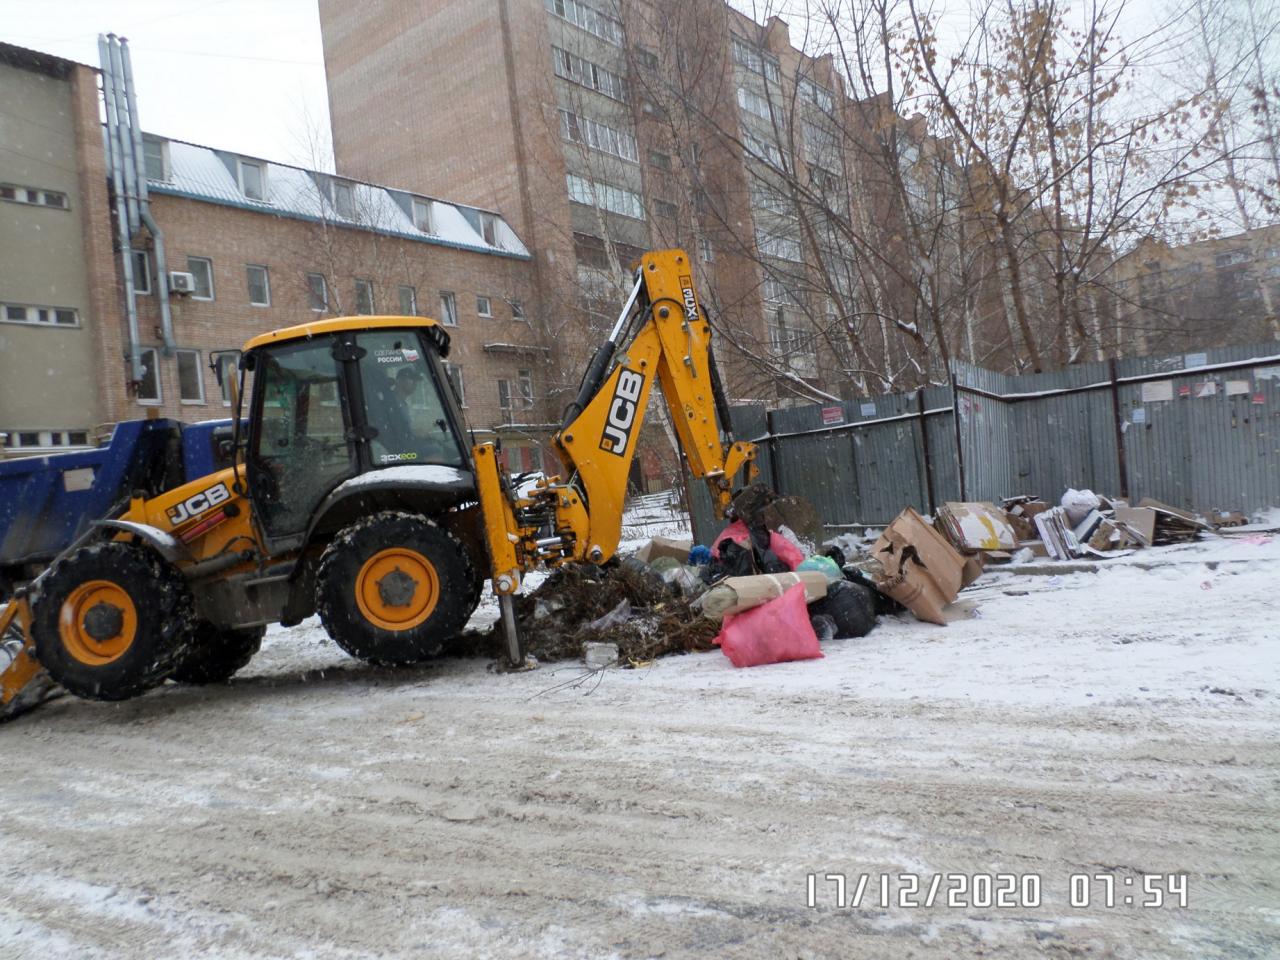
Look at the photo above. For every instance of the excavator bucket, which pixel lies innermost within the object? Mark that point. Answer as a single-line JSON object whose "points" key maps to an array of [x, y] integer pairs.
{"points": [[24, 684]]}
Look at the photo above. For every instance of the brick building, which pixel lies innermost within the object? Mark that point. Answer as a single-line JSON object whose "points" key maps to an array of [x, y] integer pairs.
{"points": [[265, 245], [1225, 290], [270, 245], [603, 127]]}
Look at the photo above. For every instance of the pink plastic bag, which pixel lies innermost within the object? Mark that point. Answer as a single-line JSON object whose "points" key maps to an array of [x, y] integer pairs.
{"points": [[737, 531], [773, 632]]}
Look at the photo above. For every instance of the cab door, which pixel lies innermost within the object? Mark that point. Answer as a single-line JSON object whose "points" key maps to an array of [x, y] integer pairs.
{"points": [[301, 444]]}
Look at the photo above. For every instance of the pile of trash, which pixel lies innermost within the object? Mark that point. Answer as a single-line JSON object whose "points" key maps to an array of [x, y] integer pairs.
{"points": [[763, 595], [759, 592], [580, 606], [1083, 525]]}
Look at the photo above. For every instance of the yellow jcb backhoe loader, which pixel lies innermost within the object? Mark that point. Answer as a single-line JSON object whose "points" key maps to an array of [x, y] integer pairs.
{"points": [[351, 493]]}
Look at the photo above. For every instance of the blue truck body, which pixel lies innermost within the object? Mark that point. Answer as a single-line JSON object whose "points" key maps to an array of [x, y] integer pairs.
{"points": [[47, 502]]}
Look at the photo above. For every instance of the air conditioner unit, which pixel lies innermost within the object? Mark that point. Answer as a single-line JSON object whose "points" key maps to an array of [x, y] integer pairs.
{"points": [[182, 282]]}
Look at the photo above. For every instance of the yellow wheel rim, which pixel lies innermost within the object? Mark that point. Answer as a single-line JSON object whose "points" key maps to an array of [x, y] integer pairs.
{"points": [[397, 589], [98, 622]]}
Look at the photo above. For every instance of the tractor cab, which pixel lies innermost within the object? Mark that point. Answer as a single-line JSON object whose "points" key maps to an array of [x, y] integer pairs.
{"points": [[340, 399]]}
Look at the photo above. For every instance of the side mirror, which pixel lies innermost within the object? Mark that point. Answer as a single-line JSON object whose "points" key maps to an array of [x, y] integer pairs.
{"points": [[222, 360]]}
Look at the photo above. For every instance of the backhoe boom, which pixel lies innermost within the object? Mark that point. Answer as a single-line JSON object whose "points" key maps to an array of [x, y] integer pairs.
{"points": [[662, 336]]}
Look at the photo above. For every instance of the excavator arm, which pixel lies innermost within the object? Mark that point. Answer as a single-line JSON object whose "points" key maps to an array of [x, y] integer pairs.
{"points": [[661, 337]]}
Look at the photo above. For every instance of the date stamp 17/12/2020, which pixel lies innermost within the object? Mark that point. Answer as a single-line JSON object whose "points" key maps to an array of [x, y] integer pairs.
{"points": [[999, 891]]}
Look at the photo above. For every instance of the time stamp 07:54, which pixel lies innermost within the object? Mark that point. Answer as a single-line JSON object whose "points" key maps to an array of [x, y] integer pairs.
{"points": [[991, 890]]}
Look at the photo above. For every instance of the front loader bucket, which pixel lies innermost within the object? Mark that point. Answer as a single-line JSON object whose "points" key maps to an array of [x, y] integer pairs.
{"points": [[24, 684]]}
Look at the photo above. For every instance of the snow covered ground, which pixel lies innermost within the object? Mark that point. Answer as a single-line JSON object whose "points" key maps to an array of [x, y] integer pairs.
{"points": [[1119, 723]]}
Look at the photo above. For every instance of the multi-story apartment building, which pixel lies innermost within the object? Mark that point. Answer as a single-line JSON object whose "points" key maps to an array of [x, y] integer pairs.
{"points": [[1169, 298], [265, 245], [601, 127]]}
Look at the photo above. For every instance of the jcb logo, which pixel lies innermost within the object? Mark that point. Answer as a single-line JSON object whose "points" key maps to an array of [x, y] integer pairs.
{"points": [[622, 413], [690, 301], [198, 503]]}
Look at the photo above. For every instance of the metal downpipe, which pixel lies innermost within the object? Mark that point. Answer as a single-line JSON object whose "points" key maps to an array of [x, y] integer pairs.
{"points": [[144, 201], [134, 355]]}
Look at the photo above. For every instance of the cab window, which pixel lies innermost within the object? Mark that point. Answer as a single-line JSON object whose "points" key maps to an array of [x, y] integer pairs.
{"points": [[403, 403]]}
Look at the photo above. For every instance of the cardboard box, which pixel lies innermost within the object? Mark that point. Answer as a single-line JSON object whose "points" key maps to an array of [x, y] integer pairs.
{"points": [[1036, 547], [921, 570], [1141, 520], [977, 526], [972, 569], [1034, 509], [665, 547], [1022, 526]]}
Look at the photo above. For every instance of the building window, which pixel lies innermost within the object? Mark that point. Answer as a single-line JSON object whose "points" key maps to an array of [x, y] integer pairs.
{"points": [[202, 269], [757, 148], [587, 74], [448, 308], [317, 292], [665, 208], [33, 196], [517, 311], [755, 60], [598, 136], [754, 103], [605, 195], [155, 158], [149, 385], [484, 307], [40, 315], [504, 396], [822, 146], [455, 379], [259, 285], [253, 179], [524, 380], [141, 272], [341, 194], [707, 251], [422, 215], [489, 229], [588, 19], [646, 58], [226, 364], [19, 439], [408, 302], [768, 198], [816, 94], [190, 382], [364, 297], [659, 160]]}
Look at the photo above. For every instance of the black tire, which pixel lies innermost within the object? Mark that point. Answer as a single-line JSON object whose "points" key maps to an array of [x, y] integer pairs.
{"points": [[348, 566], [851, 605], [113, 666], [215, 656]]}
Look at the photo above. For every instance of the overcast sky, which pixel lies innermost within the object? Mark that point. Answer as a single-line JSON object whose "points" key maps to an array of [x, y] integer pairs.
{"points": [[245, 75]]}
